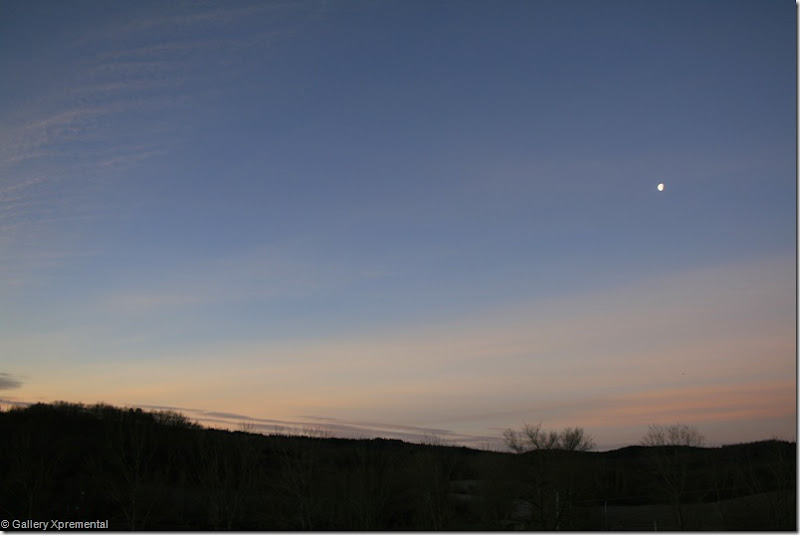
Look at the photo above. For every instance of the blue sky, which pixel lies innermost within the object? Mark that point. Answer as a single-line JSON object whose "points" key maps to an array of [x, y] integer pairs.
{"points": [[404, 218]]}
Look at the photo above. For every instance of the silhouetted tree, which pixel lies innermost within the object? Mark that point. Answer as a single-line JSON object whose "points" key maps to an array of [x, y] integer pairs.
{"points": [[768, 471], [434, 468], [32, 466], [300, 464], [672, 435], [125, 465], [551, 480], [669, 460], [533, 438]]}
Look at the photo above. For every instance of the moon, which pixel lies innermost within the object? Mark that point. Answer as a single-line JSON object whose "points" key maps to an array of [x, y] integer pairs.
{"points": [[660, 187]]}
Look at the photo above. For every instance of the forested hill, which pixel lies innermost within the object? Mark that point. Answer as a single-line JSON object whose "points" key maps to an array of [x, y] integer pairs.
{"points": [[157, 470]]}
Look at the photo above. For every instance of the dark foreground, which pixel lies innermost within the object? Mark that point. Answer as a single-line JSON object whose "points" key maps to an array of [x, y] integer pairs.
{"points": [[158, 471]]}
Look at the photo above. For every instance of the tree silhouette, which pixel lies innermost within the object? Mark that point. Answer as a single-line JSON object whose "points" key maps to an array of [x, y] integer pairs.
{"points": [[669, 460], [533, 438], [551, 481], [673, 435]]}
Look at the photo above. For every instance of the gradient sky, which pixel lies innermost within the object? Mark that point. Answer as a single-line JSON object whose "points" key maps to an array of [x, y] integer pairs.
{"points": [[404, 218]]}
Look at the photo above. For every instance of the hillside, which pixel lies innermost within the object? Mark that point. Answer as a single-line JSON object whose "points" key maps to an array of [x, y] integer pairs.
{"points": [[159, 471]]}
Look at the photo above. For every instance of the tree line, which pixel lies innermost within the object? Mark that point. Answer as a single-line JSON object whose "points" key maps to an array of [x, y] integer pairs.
{"points": [[158, 470]]}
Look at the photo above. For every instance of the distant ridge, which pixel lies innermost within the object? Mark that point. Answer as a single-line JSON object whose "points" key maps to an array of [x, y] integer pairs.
{"points": [[159, 470]]}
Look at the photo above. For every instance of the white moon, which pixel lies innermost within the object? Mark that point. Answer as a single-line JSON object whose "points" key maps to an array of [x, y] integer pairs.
{"points": [[661, 187]]}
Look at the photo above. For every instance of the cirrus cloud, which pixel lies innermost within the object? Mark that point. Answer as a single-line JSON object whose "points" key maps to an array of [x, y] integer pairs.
{"points": [[8, 381]]}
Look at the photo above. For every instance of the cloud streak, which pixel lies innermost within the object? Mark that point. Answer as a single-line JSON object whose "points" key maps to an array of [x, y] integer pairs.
{"points": [[105, 115], [9, 382], [724, 358]]}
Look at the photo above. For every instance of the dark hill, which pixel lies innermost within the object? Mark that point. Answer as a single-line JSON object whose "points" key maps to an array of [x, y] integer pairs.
{"points": [[159, 471]]}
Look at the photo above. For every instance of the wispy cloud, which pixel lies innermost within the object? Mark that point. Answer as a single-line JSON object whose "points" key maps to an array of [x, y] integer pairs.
{"points": [[255, 276], [603, 361], [319, 425], [143, 302], [111, 113], [8, 381]]}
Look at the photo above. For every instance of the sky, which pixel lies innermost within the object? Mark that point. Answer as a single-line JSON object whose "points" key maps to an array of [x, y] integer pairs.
{"points": [[409, 219]]}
